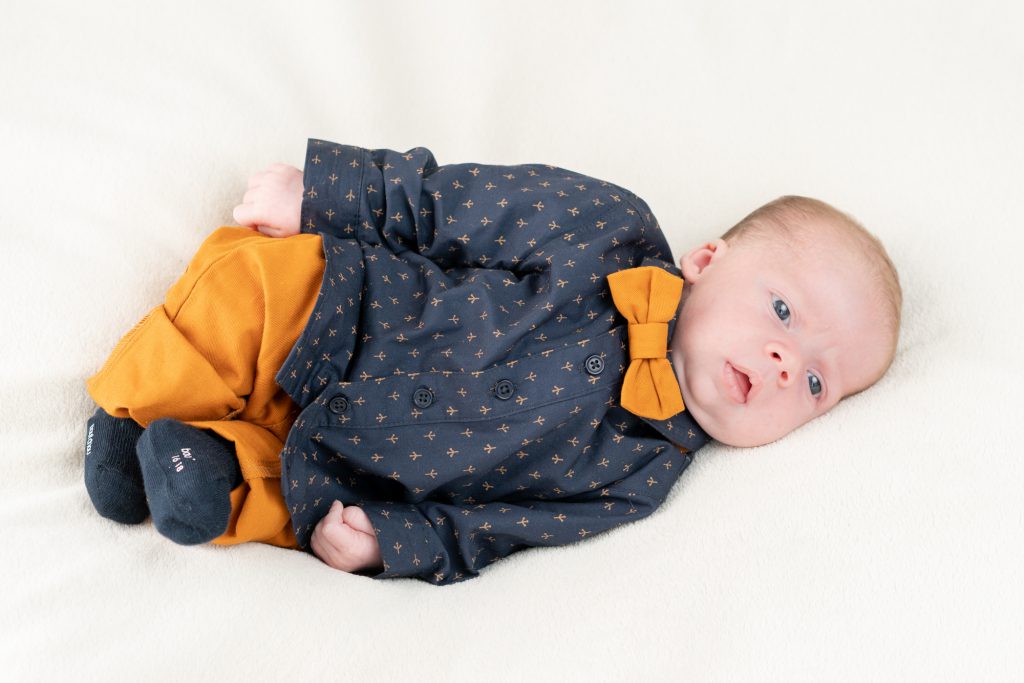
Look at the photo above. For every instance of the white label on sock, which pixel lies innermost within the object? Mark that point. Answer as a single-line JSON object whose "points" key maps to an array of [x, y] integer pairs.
{"points": [[179, 460], [88, 442]]}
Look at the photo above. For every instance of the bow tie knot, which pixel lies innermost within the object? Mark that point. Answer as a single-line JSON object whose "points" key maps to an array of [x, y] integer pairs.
{"points": [[647, 297], [647, 340]]}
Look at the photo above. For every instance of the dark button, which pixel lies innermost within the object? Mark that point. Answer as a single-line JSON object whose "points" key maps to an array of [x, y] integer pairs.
{"points": [[595, 365], [423, 397], [338, 404], [504, 389]]}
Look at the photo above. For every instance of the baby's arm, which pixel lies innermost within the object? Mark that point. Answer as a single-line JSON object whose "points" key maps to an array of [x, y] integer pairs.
{"points": [[273, 202], [344, 539]]}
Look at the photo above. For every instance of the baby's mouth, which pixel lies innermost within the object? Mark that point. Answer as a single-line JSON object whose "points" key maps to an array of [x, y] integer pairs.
{"points": [[737, 383]]}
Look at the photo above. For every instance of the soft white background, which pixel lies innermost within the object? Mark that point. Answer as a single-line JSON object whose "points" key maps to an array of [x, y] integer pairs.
{"points": [[881, 543]]}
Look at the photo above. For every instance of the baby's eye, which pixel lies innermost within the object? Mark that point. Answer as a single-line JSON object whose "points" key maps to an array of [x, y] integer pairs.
{"points": [[814, 383], [781, 309]]}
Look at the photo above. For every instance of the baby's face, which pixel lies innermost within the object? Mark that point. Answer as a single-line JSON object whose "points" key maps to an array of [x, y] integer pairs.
{"points": [[768, 338]]}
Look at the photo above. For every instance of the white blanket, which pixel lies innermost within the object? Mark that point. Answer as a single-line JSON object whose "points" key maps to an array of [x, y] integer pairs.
{"points": [[880, 542]]}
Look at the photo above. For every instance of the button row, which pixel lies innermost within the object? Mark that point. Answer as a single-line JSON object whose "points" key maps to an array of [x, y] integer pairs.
{"points": [[503, 389]]}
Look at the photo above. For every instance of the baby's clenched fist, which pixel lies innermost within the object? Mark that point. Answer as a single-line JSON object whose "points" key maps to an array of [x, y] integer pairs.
{"points": [[273, 203], [345, 539]]}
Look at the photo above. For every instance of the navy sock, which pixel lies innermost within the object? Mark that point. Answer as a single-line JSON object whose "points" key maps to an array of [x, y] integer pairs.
{"points": [[112, 475], [188, 474]]}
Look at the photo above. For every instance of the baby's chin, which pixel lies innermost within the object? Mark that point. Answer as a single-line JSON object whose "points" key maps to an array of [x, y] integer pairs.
{"points": [[729, 429], [714, 428], [731, 434], [740, 435]]}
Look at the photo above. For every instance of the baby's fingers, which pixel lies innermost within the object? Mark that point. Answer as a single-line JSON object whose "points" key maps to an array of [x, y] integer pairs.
{"points": [[358, 520], [246, 214], [329, 537], [335, 514], [335, 529]]}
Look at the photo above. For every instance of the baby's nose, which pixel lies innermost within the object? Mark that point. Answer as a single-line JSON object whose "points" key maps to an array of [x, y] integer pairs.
{"points": [[785, 360]]}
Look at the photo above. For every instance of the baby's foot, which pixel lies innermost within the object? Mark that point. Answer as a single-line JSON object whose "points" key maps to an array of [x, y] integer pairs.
{"points": [[188, 474], [112, 475]]}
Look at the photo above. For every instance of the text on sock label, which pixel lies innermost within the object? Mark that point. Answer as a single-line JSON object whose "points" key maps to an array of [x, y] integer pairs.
{"points": [[179, 460]]}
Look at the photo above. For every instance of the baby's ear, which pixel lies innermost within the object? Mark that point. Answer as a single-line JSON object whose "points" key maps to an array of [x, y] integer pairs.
{"points": [[694, 262]]}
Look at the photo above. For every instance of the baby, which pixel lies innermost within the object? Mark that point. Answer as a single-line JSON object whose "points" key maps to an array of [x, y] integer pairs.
{"points": [[440, 366]]}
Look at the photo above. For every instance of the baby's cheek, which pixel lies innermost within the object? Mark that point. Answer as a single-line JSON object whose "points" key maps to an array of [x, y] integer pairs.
{"points": [[704, 394]]}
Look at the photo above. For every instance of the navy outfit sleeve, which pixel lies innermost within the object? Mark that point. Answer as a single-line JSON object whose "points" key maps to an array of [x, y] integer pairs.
{"points": [[444, 543], [460, 215]]}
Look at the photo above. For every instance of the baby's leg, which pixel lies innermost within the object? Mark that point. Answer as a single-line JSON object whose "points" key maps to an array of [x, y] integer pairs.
{"points": [[193, 479], [112, 475], [207, 358]]}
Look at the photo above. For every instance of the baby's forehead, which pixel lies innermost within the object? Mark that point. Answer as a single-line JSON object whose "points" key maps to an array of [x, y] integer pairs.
{"points": [[809, 248]]}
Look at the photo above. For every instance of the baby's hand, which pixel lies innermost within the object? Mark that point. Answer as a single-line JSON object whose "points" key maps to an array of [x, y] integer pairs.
{"points": [[274, 201], [344, 539]]}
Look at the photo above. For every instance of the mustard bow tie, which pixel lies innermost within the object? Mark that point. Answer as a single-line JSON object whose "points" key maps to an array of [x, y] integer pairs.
{"points": [[647, 297]]}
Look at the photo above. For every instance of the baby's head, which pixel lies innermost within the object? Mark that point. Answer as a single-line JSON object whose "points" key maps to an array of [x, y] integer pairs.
{"points": [[790, 311]]}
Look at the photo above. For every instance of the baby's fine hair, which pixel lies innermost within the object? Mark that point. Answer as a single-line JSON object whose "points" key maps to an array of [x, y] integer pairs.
{"points": [[789, 219]]}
